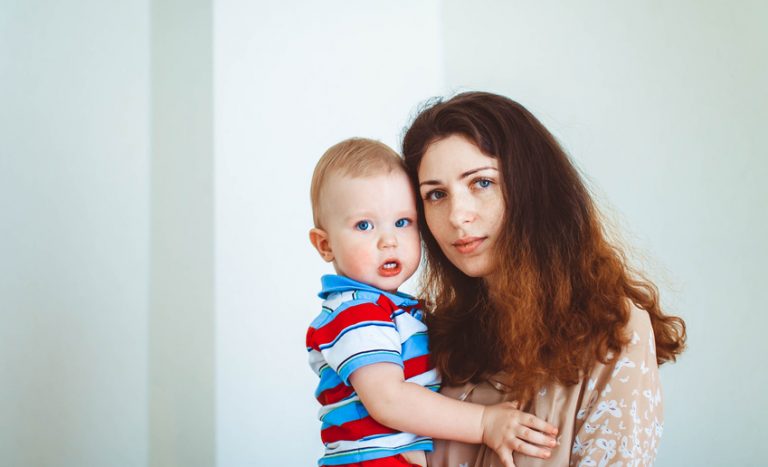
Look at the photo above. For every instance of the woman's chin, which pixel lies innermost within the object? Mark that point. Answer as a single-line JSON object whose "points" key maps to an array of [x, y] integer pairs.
{"points": [[475, 269]]}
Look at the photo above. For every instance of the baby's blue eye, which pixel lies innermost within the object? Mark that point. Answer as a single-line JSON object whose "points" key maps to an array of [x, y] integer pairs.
{"points": [[402, 222], [364, 225]]}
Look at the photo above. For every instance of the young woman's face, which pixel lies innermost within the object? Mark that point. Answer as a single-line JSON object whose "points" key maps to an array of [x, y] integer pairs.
{"points": [[463, 203]]}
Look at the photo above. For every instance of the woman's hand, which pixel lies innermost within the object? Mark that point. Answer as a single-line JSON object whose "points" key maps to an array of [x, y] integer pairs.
{"points": [[507, 429]]}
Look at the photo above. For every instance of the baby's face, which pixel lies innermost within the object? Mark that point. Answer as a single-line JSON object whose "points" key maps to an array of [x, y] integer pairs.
{"points": [[371, 227]]}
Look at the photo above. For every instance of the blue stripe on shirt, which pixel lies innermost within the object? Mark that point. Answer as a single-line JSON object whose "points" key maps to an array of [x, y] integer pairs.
{"points": [[360, 360]]}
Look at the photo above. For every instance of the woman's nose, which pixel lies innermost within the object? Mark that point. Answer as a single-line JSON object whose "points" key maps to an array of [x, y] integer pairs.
{"points": [[462, 211]]}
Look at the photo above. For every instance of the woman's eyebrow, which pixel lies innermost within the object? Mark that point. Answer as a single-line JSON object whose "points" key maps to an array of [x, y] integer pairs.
{"points": [[462, 176], [474, 171]]}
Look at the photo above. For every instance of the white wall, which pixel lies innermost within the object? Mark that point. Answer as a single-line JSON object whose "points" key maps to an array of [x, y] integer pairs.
{"points": [[73, 233], [291, 79], [662, 104], [181, 319]]}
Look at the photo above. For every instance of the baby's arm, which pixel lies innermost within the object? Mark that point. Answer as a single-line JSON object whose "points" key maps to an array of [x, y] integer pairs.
{"points": [[408, 407]]}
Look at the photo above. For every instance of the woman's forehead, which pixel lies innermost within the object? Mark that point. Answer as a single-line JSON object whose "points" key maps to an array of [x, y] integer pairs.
{"points": [[454, 156]]}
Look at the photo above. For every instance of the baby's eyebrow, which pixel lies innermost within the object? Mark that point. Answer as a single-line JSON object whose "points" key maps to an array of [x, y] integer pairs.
{"points": [[361, 215]]}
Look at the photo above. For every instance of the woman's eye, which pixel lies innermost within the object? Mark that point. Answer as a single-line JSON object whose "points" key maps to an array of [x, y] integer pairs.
{"points": [[434, 195], [483, 183], [402, 222], [364, 225]]}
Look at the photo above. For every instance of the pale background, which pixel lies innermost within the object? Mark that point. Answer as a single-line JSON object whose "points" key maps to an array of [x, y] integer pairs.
{"points": [[155, 275]]}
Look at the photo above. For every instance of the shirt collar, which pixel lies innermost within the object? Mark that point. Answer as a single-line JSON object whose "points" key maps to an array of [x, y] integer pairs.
{"points": [[334, 283]]}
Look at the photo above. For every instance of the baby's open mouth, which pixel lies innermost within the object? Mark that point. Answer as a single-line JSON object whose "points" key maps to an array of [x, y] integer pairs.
{"points": [[391, 267]]}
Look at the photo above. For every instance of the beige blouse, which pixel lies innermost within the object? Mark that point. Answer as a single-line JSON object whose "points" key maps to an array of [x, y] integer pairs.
{"points": [[614, 417]]}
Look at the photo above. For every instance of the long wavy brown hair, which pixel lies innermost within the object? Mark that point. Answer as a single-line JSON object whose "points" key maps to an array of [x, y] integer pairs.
{"points": [[562, 293]]}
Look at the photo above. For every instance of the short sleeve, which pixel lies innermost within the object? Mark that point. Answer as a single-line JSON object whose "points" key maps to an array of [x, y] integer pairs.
{"points": [[621, 421], [358, 334]]}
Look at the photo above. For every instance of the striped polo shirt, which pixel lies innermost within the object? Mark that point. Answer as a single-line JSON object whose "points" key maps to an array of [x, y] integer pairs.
{"points": [[360, 325]]}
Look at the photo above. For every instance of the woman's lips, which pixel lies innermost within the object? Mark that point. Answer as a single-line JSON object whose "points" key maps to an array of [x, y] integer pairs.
{"points": [[467, 245], [391, 267]]}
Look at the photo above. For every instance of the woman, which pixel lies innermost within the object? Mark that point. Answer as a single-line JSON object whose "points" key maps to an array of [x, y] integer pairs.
{"points": [[531, 301]]}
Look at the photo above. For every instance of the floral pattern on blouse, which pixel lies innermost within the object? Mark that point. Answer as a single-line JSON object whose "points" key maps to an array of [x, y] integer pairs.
{"points": [[613, 417], [621, 418]]}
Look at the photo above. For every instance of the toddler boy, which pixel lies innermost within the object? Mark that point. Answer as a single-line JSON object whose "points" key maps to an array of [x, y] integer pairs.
{"points": [[365, 223]]}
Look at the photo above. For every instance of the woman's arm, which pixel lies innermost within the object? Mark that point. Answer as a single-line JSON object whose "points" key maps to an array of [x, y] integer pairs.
{"points": [[624, 422], [404, 406]]}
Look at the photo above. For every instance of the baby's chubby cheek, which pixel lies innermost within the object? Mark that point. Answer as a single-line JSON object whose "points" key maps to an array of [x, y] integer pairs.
{"points": [[357, 262]]}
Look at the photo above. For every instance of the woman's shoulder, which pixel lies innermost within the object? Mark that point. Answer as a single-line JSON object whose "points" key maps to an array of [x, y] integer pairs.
{"points": [[640, 345], [638, 318], [638, 327]]}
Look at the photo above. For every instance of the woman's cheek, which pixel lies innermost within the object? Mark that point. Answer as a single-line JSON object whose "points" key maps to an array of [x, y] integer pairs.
{"points": [[433, 218], [497, 207]]}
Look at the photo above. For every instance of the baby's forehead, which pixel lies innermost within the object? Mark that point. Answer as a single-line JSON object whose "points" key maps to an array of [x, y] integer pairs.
{"points": [[385, 189], [391, 176]]}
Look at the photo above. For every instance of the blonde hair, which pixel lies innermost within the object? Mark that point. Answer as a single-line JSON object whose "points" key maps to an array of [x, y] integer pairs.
{"points": [[353, 157]]}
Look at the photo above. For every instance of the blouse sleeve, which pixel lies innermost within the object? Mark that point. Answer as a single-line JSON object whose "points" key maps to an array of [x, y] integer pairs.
{"points": [[621, 420]]}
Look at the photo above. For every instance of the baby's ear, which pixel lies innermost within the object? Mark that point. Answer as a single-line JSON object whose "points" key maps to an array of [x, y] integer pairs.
{"points": [[319, 239]]}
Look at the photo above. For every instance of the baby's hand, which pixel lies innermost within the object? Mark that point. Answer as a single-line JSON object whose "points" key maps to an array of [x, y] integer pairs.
{"points": [[506, 429]]}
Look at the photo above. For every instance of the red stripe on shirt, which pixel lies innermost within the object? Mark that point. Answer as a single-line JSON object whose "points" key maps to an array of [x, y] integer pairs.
{"points": [[354, 430], [391, 461], [416, 366], [335, 394], [353, 315]]}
